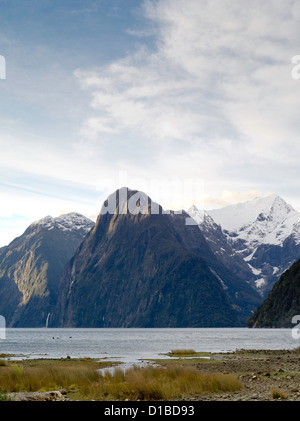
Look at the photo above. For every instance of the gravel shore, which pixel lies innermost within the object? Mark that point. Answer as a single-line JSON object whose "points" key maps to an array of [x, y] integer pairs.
{"points": [[260, 372]]}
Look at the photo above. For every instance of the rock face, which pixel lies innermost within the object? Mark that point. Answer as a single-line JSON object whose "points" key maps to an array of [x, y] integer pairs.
{"points": [[31, 267], [143, 269], [282, 302]]}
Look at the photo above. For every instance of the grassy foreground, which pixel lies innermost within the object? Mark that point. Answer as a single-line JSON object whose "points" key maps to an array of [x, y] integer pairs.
{"points": [[48, 374], [84, 382], [162, 383]]}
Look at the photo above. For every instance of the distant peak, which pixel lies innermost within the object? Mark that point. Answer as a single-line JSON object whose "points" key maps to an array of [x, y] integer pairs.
{"points": [[193, 208], [274, 195], [47, 219], [239, 215], [197, 214], [279, 202], [71, 216], [66, 222], [270, 198]]}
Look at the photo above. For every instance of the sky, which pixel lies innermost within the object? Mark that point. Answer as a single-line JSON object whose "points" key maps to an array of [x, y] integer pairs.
{"points": [[192, 102]]}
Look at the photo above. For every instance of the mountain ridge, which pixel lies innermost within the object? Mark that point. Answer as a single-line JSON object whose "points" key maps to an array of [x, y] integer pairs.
{"points": [[168, 277], [264, 232], [31, 266], [37, 268]]}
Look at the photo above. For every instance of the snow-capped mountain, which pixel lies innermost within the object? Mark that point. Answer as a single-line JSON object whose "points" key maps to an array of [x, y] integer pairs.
{"points": [[264, 231], [32, 264], [149, 270], [55, 272], [68, 222], [268, 219]]}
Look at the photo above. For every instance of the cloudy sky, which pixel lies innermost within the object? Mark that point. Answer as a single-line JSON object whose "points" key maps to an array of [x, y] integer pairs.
{"points": [[105, 93]]}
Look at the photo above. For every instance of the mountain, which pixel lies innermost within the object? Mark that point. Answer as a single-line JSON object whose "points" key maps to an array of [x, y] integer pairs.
{"points": [[282, 302], [141, 268], [31, 267], [219, 244], [265, 232]]}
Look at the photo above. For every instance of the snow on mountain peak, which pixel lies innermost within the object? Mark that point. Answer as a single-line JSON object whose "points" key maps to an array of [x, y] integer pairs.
{"points": [[197, 214], [68, 222], [234, 217], [74, 221], [200, 216], [267, 219], [264, 232]]}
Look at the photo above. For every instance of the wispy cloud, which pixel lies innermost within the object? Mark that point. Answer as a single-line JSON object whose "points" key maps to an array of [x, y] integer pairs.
{"points": [[228, 197], [218, 81], [199, 90], [139, 32]]}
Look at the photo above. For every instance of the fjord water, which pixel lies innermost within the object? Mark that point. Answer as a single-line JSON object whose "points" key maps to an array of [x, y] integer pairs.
{"points": [[134, 345]]}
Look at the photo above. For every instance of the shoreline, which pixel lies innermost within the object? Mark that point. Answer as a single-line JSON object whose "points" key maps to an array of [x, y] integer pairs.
{"points": [[260, 373]]}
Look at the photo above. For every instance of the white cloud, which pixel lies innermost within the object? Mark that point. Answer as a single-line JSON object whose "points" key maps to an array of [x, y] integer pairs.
{"points": [[213, 99], [228, 197], [218, 81]]}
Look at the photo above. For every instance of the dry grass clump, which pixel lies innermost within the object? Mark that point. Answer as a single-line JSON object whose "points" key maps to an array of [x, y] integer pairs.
{"points": [[161, 383], [143, 383], [181, 352], [278, 394], [16, 378]]}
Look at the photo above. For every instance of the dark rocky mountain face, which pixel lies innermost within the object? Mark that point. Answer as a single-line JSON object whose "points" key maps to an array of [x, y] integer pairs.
{"points": [[272, 260], [282, 302], [149, 270], [31, 267]]}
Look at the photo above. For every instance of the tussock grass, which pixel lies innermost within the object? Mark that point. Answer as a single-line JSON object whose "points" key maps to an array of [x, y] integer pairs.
{"points": [[278, 394], [161, 383], [182, 352], [143, 383], [16, 378]]}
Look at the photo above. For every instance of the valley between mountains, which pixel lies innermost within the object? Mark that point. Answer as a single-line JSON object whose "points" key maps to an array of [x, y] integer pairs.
{"points": [[231, 268]]}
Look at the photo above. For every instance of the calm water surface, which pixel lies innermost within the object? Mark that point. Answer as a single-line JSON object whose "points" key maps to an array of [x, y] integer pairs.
{"points": [[133, 345]]}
